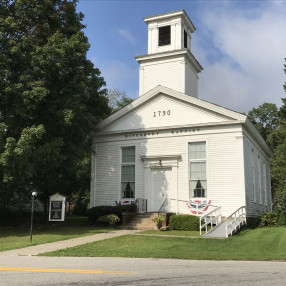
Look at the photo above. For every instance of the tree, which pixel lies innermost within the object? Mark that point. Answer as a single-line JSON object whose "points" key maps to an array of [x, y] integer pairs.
{"points": [[117, 99], [278, 171], [265, 119], [51, 97]]}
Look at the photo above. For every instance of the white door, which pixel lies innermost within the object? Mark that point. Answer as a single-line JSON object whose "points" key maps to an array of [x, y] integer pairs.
{"points": [[160, 187]]}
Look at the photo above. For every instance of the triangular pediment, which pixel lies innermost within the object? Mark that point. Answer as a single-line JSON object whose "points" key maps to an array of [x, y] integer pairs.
{"points": [[163, 107]]}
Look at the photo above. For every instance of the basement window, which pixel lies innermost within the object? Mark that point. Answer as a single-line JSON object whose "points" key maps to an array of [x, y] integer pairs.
{"points": [[165, 35]]}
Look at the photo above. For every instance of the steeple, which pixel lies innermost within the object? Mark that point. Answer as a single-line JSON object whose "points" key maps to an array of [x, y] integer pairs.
{"points": [[169, 61]]}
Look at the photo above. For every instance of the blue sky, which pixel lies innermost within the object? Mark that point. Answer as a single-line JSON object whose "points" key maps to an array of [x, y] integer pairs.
{"points": [[240, 44]]}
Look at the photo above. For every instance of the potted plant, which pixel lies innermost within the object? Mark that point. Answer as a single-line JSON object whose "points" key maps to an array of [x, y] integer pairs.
{"points": [[158, 221]]}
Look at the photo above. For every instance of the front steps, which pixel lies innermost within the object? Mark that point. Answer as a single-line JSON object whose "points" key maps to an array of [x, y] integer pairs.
{"points": [[141, 221]]}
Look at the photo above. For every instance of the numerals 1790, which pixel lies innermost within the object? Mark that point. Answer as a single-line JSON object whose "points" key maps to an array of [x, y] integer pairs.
{"points": [[162, 113]]}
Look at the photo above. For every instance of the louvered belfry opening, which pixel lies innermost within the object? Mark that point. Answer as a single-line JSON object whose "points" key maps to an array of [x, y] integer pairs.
{"points": [[165, 35], [185, 39]]}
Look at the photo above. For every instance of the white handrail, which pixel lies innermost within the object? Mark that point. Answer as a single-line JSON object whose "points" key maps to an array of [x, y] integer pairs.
{"points": [[210, 219], [235, 220]]}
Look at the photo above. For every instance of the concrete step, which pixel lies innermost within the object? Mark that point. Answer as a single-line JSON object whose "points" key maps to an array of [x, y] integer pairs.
{"points": [[142, 221]]}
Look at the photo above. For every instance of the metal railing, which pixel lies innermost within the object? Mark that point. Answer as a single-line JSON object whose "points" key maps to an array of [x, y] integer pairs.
{"points": [[164, 206], [211, 218], [141, 206], [235, 221]]}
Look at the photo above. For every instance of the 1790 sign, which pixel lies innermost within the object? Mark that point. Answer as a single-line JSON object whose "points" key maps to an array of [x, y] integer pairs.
{"points": [[56, 210], [162, 113]]}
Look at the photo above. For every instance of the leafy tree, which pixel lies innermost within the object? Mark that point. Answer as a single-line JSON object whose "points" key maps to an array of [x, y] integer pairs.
{"points": [[51, 97], [265, 119], [278, 172], [117, 99]]}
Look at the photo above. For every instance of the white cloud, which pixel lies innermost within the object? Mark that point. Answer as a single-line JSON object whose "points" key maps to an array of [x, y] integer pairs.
{"points": [[126, 35], [251, 45]]}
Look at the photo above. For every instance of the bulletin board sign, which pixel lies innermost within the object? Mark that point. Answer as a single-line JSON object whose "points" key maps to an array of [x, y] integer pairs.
{"points": [[57, 208]]}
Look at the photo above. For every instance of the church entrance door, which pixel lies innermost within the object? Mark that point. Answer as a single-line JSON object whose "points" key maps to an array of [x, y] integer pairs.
{"points": [[160, 187]]}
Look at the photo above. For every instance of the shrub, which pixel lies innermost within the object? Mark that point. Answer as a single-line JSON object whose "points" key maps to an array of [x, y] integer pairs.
{"points": [[269, 219], [184, 222], [94, 213], [108, 220]]}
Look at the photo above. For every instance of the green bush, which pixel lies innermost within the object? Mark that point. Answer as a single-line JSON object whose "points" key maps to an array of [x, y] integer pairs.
{"points": [[108, 220], [94, 213], [272, 219], [184, 222]]}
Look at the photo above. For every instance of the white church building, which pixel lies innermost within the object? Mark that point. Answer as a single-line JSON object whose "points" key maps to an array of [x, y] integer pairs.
{"points": [[169, 144]]}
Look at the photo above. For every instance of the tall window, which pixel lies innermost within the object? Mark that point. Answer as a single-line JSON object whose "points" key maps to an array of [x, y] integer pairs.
{"points": [[264, 184], [259, 180], [164, 35], [128, 173], [197, 169], [253, 175]]}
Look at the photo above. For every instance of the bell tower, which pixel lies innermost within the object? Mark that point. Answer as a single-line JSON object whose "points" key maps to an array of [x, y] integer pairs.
{"points": [[169, 61]]}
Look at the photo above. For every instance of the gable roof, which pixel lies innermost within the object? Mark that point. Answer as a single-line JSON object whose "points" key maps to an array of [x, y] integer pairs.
{"points": [[231, 115], [219, 115]]}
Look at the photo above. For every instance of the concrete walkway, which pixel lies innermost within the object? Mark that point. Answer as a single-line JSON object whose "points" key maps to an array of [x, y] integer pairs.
{"points": [[53, 246]]}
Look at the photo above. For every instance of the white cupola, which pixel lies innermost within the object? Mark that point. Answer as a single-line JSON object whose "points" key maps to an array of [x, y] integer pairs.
{"points": [[169, 61]]}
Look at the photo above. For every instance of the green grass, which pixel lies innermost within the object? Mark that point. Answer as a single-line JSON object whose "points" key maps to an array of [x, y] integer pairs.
{"points": [[172, 233], [19, 237], [258, 244]]}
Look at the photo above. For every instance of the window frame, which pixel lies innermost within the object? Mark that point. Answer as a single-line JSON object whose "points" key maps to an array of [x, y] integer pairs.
{"points": [[199, 160], [123, 164]]}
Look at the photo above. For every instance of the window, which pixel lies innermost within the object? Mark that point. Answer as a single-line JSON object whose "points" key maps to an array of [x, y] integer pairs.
{"points": [[264, 184], [128, 173], [185, 40], [164, 35], [197, 169], [259, 180], [253, 175]]}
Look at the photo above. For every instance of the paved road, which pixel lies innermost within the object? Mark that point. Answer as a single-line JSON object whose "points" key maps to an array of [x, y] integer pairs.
{"points": [[33, 270]]}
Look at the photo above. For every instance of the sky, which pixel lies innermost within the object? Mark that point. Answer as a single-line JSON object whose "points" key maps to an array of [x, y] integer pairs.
{"points": [[240, 44]]}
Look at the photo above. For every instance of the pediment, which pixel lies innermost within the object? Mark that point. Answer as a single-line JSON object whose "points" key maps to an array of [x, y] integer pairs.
{"points": [[166, 109]]}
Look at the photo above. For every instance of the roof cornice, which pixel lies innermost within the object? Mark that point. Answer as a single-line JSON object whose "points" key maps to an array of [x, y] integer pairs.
{"points": [[182, 13], [166, 55]]}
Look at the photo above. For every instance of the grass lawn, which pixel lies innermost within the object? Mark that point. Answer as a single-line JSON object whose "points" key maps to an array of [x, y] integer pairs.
{"points": [[18, 237], [258, 244], [172, 233]]}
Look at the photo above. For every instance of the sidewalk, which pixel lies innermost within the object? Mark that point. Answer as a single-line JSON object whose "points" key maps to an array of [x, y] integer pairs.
{"points": [[53, 246]]}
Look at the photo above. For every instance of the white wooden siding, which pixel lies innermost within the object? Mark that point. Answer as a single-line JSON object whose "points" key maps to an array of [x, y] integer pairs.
{"points": [[256, 203], [191, 81], [167, 73], [222, 167]]}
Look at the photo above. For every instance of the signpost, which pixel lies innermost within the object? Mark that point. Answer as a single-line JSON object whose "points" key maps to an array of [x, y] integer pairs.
{"points": [[57, 208]]}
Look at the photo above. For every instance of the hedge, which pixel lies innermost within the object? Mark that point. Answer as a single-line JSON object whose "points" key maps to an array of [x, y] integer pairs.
{"points": [[94, 213], [184, 222]]}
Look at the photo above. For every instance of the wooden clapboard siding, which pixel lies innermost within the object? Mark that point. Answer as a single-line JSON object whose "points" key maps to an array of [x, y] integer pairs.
{"points": [[254, 204], [107, 174]]}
